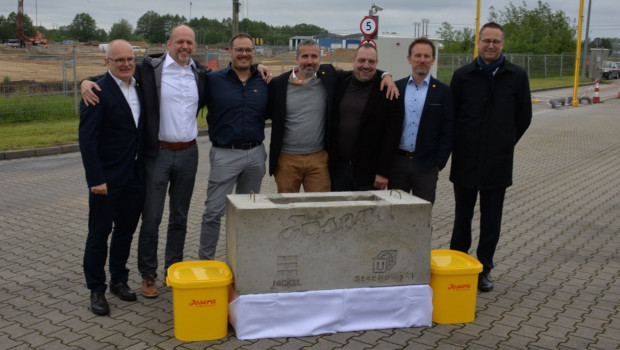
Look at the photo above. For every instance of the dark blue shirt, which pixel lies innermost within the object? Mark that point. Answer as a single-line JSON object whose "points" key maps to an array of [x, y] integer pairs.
{"points": [[236, 112]]}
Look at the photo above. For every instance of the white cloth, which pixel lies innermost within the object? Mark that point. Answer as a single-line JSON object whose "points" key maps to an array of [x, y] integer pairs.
{"points": [[178, 102], [300, 314], [131, 96]]}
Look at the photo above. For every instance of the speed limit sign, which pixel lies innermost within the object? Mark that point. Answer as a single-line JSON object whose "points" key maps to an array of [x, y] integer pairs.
{"points": [[369, 26]]}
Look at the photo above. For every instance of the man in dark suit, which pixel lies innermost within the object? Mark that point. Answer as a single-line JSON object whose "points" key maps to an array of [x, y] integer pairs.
{"points": [[110, 136], [426, 141], [367, 127], [493, 109]]}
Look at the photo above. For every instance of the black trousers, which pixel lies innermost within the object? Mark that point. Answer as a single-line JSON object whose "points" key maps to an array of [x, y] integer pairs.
{"points": [[115, 214], [491, 205], [344, 179]]}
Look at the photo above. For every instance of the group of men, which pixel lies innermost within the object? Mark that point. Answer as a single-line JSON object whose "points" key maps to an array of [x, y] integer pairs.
{"points": [[332, 130]]}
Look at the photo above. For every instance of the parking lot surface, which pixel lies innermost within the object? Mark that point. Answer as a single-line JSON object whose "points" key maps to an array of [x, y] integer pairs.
{"points": [[557, 282]]}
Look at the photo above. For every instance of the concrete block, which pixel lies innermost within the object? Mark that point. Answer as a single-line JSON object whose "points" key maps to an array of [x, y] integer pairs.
{"points": [[317, 241]]}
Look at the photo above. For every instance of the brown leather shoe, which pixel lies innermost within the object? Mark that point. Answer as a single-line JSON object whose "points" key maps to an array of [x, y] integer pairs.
{"points": [[149, 287]]}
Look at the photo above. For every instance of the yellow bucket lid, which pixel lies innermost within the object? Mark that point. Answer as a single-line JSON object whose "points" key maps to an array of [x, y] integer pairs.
{"points": [[199, 274], [453, 262]]}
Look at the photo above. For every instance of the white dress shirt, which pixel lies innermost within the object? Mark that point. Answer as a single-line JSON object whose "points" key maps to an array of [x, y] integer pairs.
{"points": [[178, 102], [131, 95]]}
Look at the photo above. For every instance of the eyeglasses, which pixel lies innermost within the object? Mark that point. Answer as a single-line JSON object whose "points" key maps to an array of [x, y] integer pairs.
{"points": [[489, 42], [122, 60], [243, 49]]}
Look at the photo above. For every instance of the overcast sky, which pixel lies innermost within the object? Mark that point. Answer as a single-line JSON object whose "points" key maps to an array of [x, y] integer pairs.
{"points": [[341, 16]]}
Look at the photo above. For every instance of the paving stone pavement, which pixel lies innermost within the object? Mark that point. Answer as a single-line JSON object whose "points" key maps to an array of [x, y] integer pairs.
{"points": [[557, 284]]}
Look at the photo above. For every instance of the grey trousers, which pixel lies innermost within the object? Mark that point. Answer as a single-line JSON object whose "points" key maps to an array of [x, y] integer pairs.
{"points": [[173, 172], [230, 168], [406, 176]]}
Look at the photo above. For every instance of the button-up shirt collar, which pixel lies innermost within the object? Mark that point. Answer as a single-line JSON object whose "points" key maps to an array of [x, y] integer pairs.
{"points": [[131, 95]]}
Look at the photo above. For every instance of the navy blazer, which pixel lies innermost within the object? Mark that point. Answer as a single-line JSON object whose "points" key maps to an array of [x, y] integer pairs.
{"points": [[110, 141], [435, 133]]}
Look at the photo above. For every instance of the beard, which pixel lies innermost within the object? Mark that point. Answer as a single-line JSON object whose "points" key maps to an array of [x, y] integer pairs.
{"points": [[309, 70], [421, 72]]}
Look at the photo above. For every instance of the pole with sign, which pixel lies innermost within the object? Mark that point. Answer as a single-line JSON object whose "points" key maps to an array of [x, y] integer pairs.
{"points": [[369, 27]]}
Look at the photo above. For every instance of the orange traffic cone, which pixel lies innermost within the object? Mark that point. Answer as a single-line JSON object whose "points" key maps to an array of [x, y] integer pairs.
{"points": [[596, 98], [618, 93]]}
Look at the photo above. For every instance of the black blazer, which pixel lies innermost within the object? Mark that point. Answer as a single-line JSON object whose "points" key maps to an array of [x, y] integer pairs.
{"points": [[435, 134], [110, 142], [276, 108], [378, 135]]}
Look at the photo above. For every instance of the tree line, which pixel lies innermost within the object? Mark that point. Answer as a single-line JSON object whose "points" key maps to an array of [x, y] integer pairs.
{"points": [[154, 28], [537, 31]]}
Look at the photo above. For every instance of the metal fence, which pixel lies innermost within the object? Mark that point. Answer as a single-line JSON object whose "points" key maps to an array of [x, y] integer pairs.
{"points": [[35, 84]]}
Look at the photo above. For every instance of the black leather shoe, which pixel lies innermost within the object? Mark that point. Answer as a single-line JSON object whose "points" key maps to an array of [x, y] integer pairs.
{"points": [[98, 305], [485, 284], [122, 290]]}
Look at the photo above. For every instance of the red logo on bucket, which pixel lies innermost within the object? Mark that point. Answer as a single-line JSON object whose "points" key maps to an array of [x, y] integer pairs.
{"points": [[458, 287], [205, 302]]}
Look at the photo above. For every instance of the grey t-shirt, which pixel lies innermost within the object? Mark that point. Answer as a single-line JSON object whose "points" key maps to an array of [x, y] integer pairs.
{"points": [[304, 126]]}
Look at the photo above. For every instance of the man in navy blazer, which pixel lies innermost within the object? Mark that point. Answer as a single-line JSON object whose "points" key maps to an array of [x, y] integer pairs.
{"points": [[110, 136], [426, 141]]}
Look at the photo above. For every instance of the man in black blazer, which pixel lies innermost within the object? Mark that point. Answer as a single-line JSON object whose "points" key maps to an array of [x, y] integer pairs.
{"points": [[426, 141], [300, 107], [367, 128], [110, 136]]}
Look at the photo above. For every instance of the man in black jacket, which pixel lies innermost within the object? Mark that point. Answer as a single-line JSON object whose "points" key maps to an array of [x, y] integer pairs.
{"points": [[493, 108], [300, 105], [367, 128]]}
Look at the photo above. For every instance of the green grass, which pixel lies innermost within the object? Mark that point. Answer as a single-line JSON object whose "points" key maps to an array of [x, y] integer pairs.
{"points": [[38, 134], [47, 121]]}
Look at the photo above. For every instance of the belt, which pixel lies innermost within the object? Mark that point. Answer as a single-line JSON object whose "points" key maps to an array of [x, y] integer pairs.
{"points": [[246, 145], [176, 146], [402, 152]]}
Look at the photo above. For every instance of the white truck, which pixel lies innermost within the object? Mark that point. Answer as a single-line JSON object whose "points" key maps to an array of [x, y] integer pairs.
{"points": [[610, 70]]}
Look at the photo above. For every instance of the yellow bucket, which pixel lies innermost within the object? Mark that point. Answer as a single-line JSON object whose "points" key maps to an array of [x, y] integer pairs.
{"points": [[200, 299], [454, 280]]}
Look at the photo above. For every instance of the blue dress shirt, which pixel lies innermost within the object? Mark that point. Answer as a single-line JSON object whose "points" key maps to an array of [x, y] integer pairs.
{"points": [[414, 104]]}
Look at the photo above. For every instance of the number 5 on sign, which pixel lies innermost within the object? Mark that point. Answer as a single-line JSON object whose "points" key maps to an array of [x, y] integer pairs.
{"points": [[369, 26]]}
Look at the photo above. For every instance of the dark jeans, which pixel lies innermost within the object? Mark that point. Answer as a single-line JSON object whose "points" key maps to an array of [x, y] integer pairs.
{"points": [[406, 176], [491, 205], [174, 172], [118, 213], [343, 179]]}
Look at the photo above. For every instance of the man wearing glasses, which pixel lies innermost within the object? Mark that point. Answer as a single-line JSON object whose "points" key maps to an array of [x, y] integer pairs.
{"points": [[110, 137], [237, 99], [492, 109]]}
